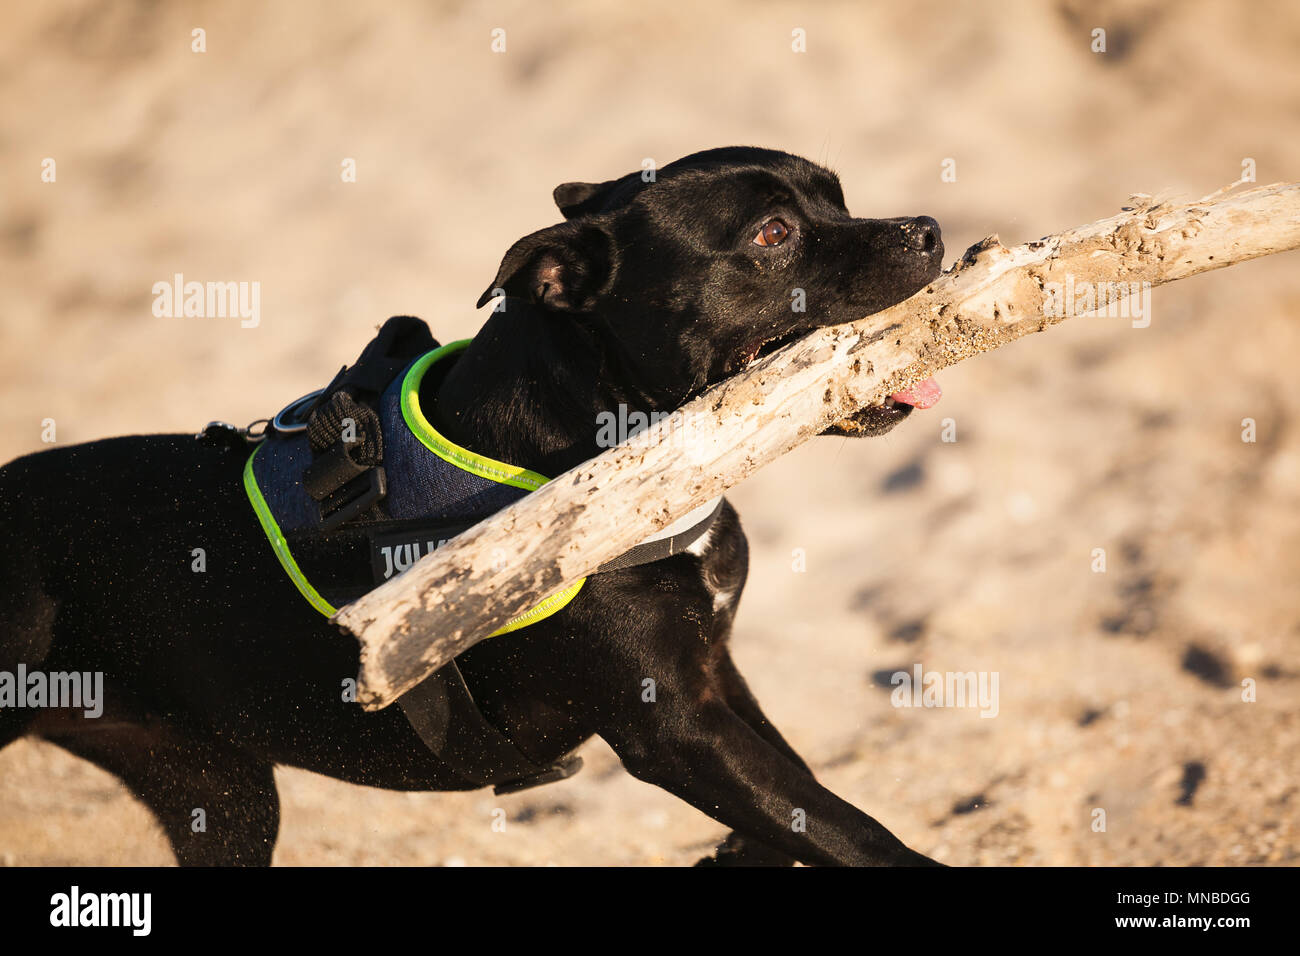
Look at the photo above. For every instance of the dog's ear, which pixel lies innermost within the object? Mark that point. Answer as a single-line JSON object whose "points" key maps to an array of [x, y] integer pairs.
{"points": [[562, 268], [581, 199]]}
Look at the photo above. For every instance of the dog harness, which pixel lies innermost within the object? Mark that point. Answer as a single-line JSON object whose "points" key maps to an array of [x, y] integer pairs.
{"points": [[353, 484], [432, 490]]}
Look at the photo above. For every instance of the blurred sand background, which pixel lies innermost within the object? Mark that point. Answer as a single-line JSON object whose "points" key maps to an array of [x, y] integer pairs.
{"points": [[1118, 691]]}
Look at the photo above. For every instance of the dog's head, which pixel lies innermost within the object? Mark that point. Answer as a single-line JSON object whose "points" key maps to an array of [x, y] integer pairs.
{"points": [[686, 276]]}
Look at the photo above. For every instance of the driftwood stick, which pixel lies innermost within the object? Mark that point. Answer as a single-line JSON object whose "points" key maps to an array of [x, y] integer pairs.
{"points": [[464, 591]]}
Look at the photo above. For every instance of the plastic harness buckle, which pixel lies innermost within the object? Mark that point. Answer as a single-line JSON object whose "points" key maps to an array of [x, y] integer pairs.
{"points": [[354, 498]]}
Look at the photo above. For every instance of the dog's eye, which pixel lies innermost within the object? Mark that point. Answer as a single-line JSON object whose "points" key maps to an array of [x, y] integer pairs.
{"points": [[773, 233]]}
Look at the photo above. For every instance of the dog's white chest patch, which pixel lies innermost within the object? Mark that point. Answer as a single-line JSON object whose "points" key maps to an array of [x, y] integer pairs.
{"points": [[701, 545], [723, 597]]}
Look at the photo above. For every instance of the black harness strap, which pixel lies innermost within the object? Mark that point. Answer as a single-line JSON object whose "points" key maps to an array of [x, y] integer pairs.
{"points": [[477, 751], [656, 549]]}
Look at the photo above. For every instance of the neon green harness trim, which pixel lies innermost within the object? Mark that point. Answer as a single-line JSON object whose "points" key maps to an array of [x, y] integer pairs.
{"points": [[445, 449], [448, 450], [278, 544]]}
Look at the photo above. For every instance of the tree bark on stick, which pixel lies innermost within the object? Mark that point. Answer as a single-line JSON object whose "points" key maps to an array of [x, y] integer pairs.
{"points": [[454, 597]]}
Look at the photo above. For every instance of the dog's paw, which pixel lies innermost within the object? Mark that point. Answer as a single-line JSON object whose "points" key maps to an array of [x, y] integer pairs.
{"points": [[739, 850]]}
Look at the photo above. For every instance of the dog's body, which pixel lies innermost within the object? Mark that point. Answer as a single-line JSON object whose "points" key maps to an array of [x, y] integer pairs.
{"points": [[646, 294]]}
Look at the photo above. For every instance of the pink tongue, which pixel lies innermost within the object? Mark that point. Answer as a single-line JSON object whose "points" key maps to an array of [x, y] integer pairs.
{"points": [[921, 395]]}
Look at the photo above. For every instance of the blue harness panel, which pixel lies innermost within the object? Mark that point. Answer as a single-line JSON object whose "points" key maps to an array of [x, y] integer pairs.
{"points": [[421, 484]]}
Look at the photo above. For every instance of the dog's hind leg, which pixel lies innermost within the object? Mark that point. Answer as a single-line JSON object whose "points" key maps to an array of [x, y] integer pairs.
{"points": [[217, 804], [27, 612], [13, 724], [26, 634], [26, 628]]}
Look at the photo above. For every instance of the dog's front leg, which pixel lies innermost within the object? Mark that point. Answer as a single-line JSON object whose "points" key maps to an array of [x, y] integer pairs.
{"points": [[707, 755], [738, 849]]}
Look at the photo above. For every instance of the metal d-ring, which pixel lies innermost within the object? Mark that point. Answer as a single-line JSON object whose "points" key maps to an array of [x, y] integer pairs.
{"points": [[289, 420]]}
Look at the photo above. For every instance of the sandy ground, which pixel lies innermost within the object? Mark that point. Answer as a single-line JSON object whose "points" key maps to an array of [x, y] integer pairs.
{"points": [[1118, 691]]}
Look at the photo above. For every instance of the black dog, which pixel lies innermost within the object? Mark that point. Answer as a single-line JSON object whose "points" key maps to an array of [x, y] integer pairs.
{"points": [[647, 293]]}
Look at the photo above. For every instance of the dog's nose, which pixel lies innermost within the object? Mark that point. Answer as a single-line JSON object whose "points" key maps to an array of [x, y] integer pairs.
{"points": [[922, 234]]}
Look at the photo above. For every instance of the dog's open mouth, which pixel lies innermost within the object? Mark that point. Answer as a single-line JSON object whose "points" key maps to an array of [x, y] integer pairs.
{"points": [[764, 347], [923, 394]]}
